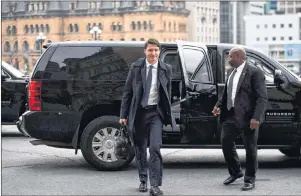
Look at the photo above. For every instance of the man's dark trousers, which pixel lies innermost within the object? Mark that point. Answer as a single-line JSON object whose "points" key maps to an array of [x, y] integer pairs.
{"points": [[230, 131], [149, 125]]}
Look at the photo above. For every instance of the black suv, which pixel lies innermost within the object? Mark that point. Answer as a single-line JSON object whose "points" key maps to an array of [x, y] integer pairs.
{"points": [[13, 94], [76, 88]]}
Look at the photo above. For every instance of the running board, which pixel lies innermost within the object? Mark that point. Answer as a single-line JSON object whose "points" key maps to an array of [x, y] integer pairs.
{"points": [[51, 143], [216, 146]]}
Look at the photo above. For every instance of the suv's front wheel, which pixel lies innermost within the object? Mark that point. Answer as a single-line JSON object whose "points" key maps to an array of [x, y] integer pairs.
{"points": [[98, 144]]}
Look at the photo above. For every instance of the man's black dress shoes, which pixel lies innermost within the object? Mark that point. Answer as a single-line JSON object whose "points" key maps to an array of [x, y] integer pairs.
{"points": [[155, 191], [143, 187], [232, 179], [248, 186]]}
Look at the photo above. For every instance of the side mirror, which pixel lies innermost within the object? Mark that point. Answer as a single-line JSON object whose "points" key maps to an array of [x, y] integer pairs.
{"points": [[278, 77]]}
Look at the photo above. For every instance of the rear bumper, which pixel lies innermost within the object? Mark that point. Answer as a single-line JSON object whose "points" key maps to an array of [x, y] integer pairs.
{"points": [[21, 126], [51, 126]]}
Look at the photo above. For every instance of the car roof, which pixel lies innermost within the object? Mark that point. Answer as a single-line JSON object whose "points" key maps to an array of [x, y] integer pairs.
{"points": [[137, 44]]}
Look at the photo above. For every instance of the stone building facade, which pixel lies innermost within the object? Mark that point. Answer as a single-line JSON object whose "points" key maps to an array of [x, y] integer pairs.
{"points": [[69, 20]]}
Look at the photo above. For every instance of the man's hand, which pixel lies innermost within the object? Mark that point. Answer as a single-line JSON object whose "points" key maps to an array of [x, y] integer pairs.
{"points": [[216, 111], [123, 121], [254, 124]]}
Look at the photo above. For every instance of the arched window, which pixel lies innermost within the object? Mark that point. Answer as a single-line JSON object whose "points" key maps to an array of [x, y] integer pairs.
{"points": [[76, 27], [7, 47], [151, 26], [88, 27], [100, 26], [31, 29], [8, 30], [70, 28], [16, 46], [14, 30], [37, 45], [26, 29], [144, 25], [142, 39], [42, 28], [139, 25], [133, 25], [37, 28], [47, 28], [119, 27], [113, 26], [25, 46]]}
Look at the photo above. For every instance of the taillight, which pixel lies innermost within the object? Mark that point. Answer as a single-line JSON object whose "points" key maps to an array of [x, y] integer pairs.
{"points": [[34, 95]]}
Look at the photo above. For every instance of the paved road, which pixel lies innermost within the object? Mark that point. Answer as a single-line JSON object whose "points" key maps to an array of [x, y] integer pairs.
{"points": [[42, 170]]}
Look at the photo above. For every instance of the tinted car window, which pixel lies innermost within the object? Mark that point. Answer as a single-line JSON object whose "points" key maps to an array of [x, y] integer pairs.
{"points": [[173, 60], [193, 59], [268, 72], [91, 63], [202, 74]]}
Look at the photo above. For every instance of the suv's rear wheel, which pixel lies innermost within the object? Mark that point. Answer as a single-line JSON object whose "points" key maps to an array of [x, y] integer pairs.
{"points": [[98, 143]]}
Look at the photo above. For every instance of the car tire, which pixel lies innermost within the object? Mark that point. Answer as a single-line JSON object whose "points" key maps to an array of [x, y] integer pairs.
{"points": [[92, 132], [291, 152]]}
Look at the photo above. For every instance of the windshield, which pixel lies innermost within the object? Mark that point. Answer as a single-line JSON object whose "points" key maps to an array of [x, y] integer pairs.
{"points": [[289, 71], [12, 70]]}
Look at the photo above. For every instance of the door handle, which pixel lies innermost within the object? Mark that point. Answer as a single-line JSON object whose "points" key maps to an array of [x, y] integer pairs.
{"points": [[194, 95]]}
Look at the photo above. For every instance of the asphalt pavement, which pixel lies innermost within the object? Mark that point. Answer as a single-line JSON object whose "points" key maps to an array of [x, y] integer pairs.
{"points": [[42, 170]]}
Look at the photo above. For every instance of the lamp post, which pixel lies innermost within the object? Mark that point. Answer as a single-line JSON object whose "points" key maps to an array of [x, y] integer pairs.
{"points": [[41, 37], [95, 31]]}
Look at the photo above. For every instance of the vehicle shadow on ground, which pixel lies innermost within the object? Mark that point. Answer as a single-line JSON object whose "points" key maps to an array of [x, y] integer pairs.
{"points": [[11, 134]]}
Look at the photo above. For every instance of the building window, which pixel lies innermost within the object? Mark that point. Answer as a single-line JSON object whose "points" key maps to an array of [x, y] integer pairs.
{"points": [[139, 25], [113, 26], [169, 26], [257, 39], [151, 26], [8, 30], [7, 47], [16, 48], [14, 30], [119, 27], [265, 26], [42, 28], [281, 38], [257, 26], [133, 39], [141, 39], [266, 39], [37, 28], [70, 28], [25, 46], [26, 29], [31, 29], [145, 25], [100, 26], [290, 38], [290, 25], [133, 25], [274, 38], [37, 45], [274, 26], [47, 28], [76, 28], [282, 25]]}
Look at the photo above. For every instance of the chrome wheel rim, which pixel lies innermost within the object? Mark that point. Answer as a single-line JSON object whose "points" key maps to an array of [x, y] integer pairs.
{"points": [[103, 144]]}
